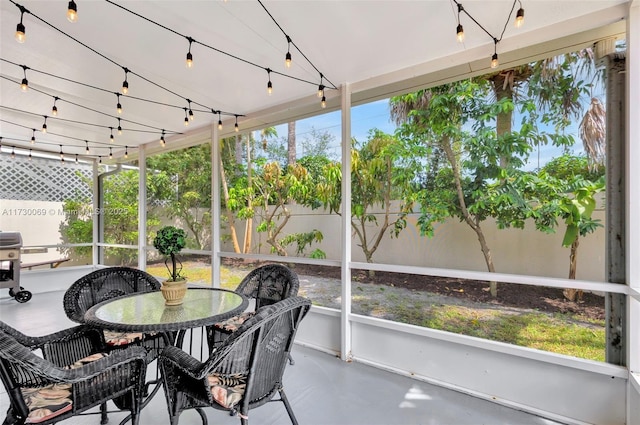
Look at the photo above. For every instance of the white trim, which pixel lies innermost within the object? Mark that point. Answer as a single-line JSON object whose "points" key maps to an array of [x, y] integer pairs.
{"points": [[345, 205], [142, 208], [215, 207]]}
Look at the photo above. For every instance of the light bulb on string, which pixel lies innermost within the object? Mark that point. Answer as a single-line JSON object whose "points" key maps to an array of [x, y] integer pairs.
{"points": [[191, 116], [76, 158], [24, 85], [219, 120], [110, 153], [519, 16], [186, 118], [126, 152], [118, 105], [321, 86], [119, 128], [162, 141], [237, 129], [13, 152], [111, 139], [99, 159], [459, 28], [61, 154], [30, 155], [125, 83], [72, 12], [269, 85], [87, 147], [494, 58], [189, 55], [20, 29], [33, 136], [287, 57], [44, 125], [323, 102], [54, 109]]}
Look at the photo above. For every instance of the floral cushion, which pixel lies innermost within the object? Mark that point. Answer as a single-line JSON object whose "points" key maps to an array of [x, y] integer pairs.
{"points": [[227, 390], [121, 338], [86, 360], [47, 402], [231, 325]]}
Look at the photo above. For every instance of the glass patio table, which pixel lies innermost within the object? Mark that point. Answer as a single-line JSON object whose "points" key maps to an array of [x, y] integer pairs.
{"points": [[147, 312]]}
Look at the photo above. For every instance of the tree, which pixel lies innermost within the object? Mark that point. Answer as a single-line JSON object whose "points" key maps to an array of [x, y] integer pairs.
{"points": [[376, 180], [275, 189], [187, 176]]}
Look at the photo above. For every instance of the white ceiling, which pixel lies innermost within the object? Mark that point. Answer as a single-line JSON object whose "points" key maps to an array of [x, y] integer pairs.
{"points": [[365, 43]]}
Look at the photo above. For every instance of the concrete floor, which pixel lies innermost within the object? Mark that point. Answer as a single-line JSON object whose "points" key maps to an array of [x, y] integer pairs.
{"points": [[322, 389]]}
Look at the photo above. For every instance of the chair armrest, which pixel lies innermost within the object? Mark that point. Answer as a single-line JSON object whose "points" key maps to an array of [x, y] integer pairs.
{"points": [[35, 342], [174, 357]]}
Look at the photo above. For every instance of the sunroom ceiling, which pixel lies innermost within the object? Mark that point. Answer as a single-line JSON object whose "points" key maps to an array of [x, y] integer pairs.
{"points": [[364, 43]]}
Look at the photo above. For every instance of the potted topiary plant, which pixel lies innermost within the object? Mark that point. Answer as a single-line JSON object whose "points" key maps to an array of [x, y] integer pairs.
{"points": [[169, 241]]}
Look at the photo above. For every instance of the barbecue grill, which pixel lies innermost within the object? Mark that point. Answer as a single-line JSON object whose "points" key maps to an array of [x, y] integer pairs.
{"points": [[10, 245]]}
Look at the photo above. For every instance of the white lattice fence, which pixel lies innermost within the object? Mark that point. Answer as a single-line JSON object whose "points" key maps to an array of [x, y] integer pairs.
{"points": [[43, 179]]}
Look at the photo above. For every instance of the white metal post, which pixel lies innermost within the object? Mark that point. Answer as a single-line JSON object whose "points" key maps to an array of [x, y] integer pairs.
{"points": [[142, 208], [94, 216], [345, 321], [215, 208]]}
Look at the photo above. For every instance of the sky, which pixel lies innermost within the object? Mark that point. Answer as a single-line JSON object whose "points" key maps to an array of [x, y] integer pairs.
{"points": [[376, 115]]}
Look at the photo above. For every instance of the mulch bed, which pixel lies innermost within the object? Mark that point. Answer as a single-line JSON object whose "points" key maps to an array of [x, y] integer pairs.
{"points": [[509, 295]]}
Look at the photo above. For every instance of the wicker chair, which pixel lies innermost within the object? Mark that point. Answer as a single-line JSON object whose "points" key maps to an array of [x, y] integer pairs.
{"points": [[71, 375], [245, 372], [108, 283], [265, 285], [104, 284]]}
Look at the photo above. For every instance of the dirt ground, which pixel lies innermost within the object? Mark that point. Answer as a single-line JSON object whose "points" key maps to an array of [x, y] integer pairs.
{"points": [[550, 300]]}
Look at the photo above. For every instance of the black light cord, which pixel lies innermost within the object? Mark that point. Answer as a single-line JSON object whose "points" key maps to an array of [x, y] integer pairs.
{"points": [[125, 69], [333, 86], [238, 58]]}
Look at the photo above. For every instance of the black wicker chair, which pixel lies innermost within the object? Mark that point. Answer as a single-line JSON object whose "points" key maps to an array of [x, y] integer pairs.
{"points": [[108, 283], [265, 285], [105, 284], [68, 374], [243, 373]]}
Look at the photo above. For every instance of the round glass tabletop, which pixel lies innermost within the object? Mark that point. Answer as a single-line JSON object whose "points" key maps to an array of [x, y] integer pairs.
{"points": [[148, 312]]}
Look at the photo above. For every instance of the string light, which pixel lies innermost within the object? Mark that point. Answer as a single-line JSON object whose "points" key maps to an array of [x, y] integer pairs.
{"points": [[44, 125], [24, 85], [110, 154], [33, 136], [30, 155], [125, 83], [519, 16], [118, 106], [189, 55], [126, 152], [459, 29], [191, 116], [219, 120], [76, 158], [61, 154], [87, 147], [119, 128], [111, 139], [321, 86], [54, 110], [494, 58], [20, 29], [99, 159], [72, 12], [519, 20], [186, 118], [237, 129], [323, 102], [269, 85], [162, 141], [13, 152], [287, 57]]}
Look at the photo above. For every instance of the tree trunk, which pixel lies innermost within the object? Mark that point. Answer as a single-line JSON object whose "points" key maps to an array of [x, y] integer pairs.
{"points": [[291, 143], [230, 218], [571, 293], [249, 223], [473, 223]]}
